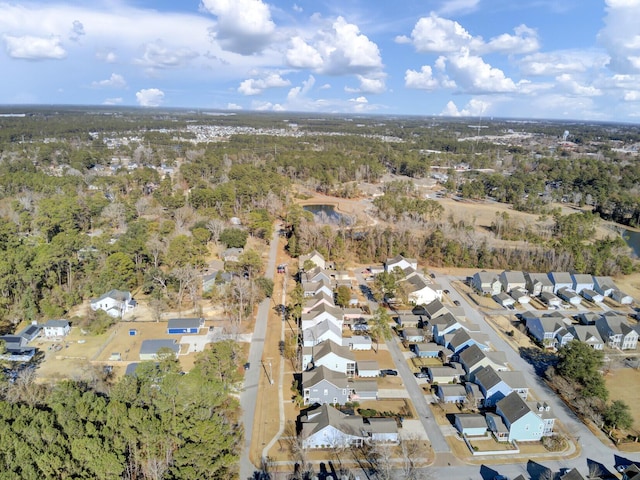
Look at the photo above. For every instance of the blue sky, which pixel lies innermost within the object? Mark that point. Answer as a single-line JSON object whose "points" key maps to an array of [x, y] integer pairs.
{"points": [[570, 59]]}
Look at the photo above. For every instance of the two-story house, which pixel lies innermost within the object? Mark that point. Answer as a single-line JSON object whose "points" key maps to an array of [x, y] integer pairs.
{"points": [[497, 385], [322, 385]]}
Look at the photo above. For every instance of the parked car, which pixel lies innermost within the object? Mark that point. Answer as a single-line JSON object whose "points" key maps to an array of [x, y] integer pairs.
{"points": [[247, 366], [421, 375], [446, 292], [456, 303], [388, 371]]}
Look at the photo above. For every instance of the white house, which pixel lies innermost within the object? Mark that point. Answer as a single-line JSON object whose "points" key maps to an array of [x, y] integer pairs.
{"points": [[582, 281], [419, 290], [604, 285], [400, 262], [116, 303], [587, 334], [331, 355], [512, 279], [621, 297], [326, 427], [56, 328], [368, 368], [327, 329], [521, 296], [560, 280], [315, 257], [319, 314], [486, 283]]}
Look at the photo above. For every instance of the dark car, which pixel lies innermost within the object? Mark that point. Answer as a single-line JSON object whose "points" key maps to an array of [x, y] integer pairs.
{"points": [[388, 371], [446, 292], [456, 303], [247, 366]]}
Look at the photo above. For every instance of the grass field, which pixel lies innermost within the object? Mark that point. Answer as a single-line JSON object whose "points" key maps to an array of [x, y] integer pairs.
{"points": [[624, 384]]}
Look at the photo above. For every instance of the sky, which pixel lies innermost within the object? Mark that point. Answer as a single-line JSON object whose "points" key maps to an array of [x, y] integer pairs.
{"points": [[549, 59]]}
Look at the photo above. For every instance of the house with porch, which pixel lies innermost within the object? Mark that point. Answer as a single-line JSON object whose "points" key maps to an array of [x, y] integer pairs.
{"points": [[319, 314], [462, 339], [604, 285], [326, 427], [331, 355], [549, 329], [523, 424], [616, 332]]}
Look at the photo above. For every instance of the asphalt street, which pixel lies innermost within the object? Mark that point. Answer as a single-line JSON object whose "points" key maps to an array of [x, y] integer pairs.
{"points": [[249, 394]]}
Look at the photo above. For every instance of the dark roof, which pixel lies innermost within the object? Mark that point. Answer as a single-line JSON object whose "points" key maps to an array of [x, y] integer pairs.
{"points": [[513, 407], [185, 323], [152, 346]]}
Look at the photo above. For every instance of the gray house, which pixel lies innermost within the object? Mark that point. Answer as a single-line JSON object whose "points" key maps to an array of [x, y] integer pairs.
{"points": [[322, 385], [587, 334], [616, 332], [536, 283], [604, 285], [486, 283]]}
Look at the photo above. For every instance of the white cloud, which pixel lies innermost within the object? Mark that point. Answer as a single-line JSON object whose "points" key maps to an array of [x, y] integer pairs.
{"points": [[620, 33], [115, 81], [233, 106], [150, 97], [34, 48], [158, 56], [561, 61], [474, 108], [568, 84], [473, 75], [525, 40], [458, 6], [303, 55], [423, 80], [255, 86], [326, 86], [267, 106], [244, 26], [338, 50], [297, 8], [434, 34], [108, 57], [112, 101]]}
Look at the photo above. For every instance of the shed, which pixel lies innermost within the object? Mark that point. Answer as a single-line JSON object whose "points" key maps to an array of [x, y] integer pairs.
{"points": [[368, 368], [177, 326], [451, 393], [471, 424]]}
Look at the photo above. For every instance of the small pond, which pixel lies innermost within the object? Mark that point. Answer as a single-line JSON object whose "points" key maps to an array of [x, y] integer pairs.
{"points": [[328, 214], [633, 240]]}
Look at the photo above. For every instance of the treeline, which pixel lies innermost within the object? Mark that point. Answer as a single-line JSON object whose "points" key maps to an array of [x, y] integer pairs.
{"points": [[445, 242], [156, 424]]}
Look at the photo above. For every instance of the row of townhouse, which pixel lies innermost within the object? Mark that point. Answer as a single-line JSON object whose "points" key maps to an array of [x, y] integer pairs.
{"points": [[331, 375], [553, 288], [554, 330], [475, 374]]}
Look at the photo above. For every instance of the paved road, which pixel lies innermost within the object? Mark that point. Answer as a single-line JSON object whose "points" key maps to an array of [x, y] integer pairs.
{"points": [[438, 442], [249, 394], [592, 448]]}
